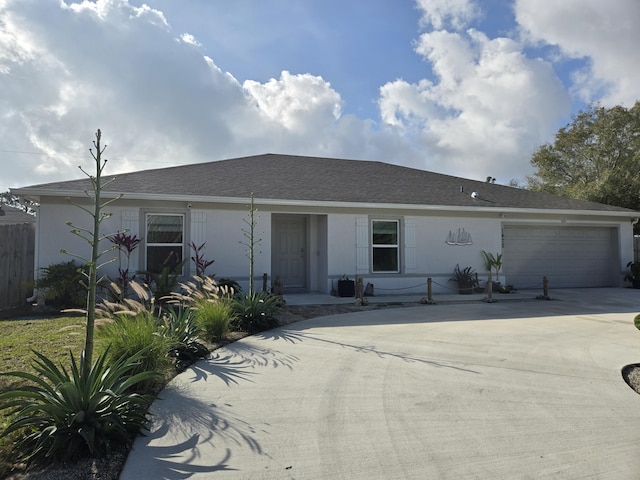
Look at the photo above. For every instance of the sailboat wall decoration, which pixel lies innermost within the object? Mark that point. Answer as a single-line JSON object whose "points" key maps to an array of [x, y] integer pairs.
{"points": [[461, 238]]}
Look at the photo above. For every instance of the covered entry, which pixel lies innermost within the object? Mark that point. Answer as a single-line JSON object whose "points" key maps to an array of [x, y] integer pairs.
{"points": [[568, 256]]}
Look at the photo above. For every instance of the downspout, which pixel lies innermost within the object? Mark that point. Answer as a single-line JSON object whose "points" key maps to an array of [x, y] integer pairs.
{"points": [[36, 257]]}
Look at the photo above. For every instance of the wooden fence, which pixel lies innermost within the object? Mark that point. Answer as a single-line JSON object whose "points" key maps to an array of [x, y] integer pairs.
{"points": [[17, 253]]}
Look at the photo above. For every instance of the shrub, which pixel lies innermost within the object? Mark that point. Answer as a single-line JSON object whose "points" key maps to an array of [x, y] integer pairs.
{"points": [[183, 334], [63, 284], [165, 282], [215, 317], [256, 311], [73, 413]]}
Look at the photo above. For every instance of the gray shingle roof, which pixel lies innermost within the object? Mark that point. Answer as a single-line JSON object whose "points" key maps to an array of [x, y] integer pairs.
{"points": [[14, 216], [300, 178]]}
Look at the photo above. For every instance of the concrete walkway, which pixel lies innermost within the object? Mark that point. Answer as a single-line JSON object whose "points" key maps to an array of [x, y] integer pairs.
{"points": [[509, 390]]}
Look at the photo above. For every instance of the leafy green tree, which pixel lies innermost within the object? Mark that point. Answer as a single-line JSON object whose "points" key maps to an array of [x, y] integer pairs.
{"points": [[595, 158]]}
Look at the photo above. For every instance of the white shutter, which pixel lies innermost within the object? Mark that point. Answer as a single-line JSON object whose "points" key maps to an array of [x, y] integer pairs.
{"points": [[131, 224], [198, 235], [410, 247], [362, 245]]}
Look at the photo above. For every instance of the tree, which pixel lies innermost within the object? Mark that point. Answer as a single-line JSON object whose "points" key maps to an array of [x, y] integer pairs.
{"points": [[595, 158]]}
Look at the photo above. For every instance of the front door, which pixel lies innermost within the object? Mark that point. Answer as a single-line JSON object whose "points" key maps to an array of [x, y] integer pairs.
{"points": [[289, 252]]}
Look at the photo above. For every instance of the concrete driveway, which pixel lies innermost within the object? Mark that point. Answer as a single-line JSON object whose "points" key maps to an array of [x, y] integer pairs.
{"points": [[526, 389]]}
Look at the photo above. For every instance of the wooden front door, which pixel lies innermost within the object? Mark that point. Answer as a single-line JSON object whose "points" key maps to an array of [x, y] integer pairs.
{"points": [[289, 252]]}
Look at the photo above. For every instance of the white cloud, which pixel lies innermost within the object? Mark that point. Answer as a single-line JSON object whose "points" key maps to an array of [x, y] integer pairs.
{"points": [[69, 69], [491, 107], [443, 14], [481, 107], [605, 33], [190, 39], [296, 101]]}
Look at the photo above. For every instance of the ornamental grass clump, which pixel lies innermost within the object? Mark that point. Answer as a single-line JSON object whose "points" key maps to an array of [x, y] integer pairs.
{"points": [[210, 303], [127, 335], [215, 317]]}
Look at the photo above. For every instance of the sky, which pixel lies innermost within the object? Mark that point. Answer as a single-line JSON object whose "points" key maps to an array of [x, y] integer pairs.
{"points": [[463, 87]]}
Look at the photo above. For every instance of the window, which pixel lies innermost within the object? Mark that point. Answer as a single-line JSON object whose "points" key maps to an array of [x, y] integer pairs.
{"points": [[164, 241], [384, 243]]}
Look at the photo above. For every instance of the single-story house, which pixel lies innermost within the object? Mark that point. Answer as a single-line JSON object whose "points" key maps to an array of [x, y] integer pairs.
{"points": [[319, 219]]}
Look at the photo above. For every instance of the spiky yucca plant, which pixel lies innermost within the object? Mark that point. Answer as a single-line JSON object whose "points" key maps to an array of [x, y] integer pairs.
{"points": [[73, 413]]}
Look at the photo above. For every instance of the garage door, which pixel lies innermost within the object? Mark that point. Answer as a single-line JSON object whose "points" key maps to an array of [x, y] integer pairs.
{"points": [[568, 256]]}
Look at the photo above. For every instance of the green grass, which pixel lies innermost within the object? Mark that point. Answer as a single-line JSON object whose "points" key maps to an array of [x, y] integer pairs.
{"points": [[53, 337]]}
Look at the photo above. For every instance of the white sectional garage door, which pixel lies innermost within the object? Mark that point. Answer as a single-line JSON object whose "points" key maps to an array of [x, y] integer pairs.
{"points": [[568, 256]]}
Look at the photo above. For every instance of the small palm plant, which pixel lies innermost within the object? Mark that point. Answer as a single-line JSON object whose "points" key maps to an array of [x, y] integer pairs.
{"points": [[493, 262], [74, 413]]}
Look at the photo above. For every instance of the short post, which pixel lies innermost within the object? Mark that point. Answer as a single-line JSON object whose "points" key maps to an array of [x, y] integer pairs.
{"points": [[264, 282], [428, 300], [489, 298], [545, 290], [359, 291], [278, 288]]}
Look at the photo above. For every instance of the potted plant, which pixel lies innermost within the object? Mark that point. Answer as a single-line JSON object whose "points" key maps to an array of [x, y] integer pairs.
{"points": [[465, 278], [493, 262], [346, 287], [634, 274]]}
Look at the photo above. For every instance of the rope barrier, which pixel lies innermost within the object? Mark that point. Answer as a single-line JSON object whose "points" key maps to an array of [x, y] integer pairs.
{"points": [[402, 288], [544, 284]]}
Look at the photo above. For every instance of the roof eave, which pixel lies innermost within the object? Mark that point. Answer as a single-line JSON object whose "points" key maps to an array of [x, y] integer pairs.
{"points": [[37, 193]]}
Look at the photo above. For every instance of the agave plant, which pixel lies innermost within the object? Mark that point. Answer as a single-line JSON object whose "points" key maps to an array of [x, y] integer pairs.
{"points": [[73, 413], [256, 311], [183, 334]]}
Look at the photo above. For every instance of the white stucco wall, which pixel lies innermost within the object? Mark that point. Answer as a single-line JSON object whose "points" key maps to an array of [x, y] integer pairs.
{"points": [[333, 240], [433, 257]]}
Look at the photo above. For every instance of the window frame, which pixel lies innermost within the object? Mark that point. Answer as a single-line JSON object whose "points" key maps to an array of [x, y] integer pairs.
{"points": [[396, 246], [148, 244]]}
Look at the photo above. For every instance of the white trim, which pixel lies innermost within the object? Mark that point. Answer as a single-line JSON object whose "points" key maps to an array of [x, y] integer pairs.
{"points": [[328, 204], [154, 244], [395, 246]]}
